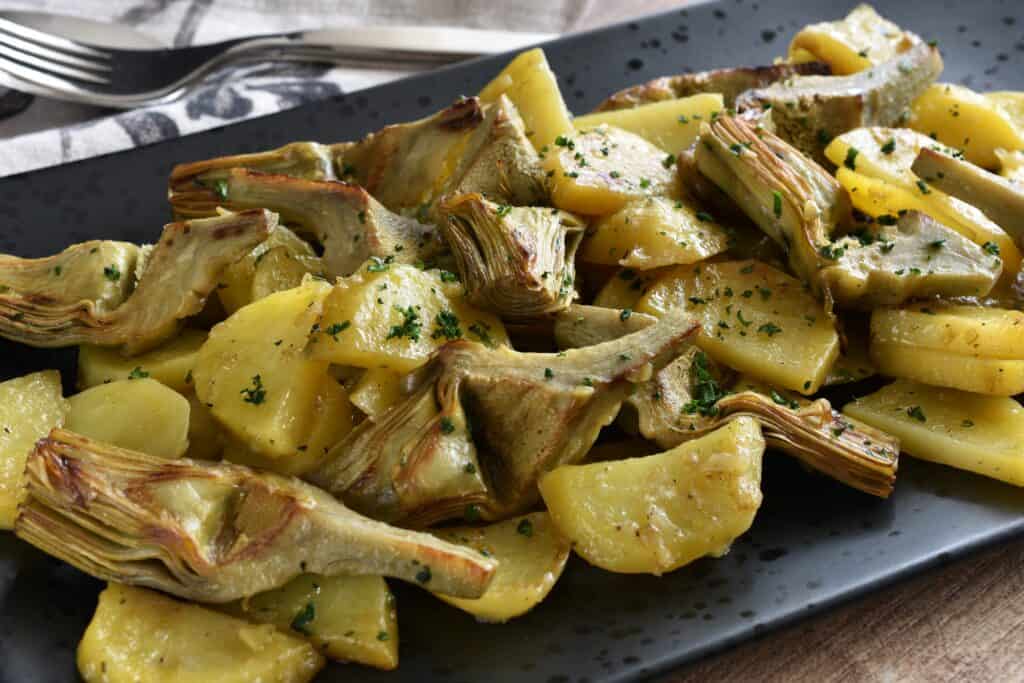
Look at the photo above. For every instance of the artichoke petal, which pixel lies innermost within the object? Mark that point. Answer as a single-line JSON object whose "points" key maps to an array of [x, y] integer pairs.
{"points": [[179, 273], [518, 261], [214, 532]]}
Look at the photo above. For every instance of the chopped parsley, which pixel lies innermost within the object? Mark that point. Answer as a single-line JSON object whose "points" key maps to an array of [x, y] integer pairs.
{"points": [[334, 329], [138, 373], [777, 203], [669, 161], [704, 217], [850, 161], [446, 324], [410, 327], [644, 183], [563, 141], [383, 636], [255, 394], [706, 391], [991, 248], [771, 329], [220, 188], [549, 373], [916, 413], [503, 210], [525, 527], [783, 401], [424, 575], [302, 620], [378, 264], [482, 332], [112, 273], [923, 186], [967, 424], [447, 426], [448, 276], [625, 314]]}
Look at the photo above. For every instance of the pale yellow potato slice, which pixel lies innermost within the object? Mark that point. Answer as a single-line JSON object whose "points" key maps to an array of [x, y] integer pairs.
{"points": [[659, 512], [859, 41], [672, 125], [170, 364], [531, 554], [137, 414], [981, 434], [30, 407], [376, 391], [141, 635]]}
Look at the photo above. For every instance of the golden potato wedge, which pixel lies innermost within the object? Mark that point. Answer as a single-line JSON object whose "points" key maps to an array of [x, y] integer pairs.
{"points": [[659, 512], [653, 232], [347, 618], [205, 435], [30, 407], [756, 319], [141, 635], [672, 125], [255, 376], [531, 554], [981, 434], [393, 316], [963, 119], [597, 171], [170, 364], [963, 347], [860, 40], [376, 391], [531, 85], [138, 414]]}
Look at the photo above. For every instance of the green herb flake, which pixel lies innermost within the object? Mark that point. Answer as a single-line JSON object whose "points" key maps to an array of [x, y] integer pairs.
{"points": [[446, 324], [889, 147], [916, 413], [525, 528], [410, 327], [255, 394], [625, 314], [991, 248], [112, 273], [448, 276], [138, 373], [378, 264], [423, 576], [334, 329], [383, 636], [220, 188], [850, 161], [706, 391], [704, 217], [549, 373], [447, 426], [503, 210], [302, 620], [669, 161], [777, 203], [771, 329]]}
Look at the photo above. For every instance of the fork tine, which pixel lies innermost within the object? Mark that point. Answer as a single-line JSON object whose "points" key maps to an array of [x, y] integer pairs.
{"points": [[46, 76], [37, 36], [49, 53]]}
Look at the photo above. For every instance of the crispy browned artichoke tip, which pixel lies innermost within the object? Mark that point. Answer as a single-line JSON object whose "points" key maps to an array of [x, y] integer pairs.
{"points": [[215, 532], [997, 197], [728, 82], [196, 189], [517, 261], [178, 274], [792, 199], [480, 425], [916, 258], [351, 225], [674, 407], [809, 111]]}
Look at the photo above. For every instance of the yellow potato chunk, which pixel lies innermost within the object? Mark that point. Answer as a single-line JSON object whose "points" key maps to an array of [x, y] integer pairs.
{"points": [[277, 264], [653, 232], [672, 125], [963, 347], [531, 554], [141, 635], [255, 376], [965, 120], [531, 85], [137, 414], [30, 407], [756, 319], [205, 436], [861, 40], [170, 364], [982, 434], [659, 512], [881, 183], [376, 391], [393, 316], [347, 618], [598, 171]]}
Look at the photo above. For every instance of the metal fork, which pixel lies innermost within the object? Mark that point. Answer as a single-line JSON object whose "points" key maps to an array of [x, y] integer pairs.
{"points": [[53, 66]]}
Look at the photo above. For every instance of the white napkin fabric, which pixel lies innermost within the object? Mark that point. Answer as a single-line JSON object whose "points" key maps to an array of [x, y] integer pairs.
{"points": [[49, 132]]}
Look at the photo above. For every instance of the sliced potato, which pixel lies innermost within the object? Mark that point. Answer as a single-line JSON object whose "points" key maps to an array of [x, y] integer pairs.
{"points": [[626, 287], [597, 171], [982, 434], [652, 232], [860, 40], [531, 85], [672, 125], [255, 376], [963, 119], [756, 319], [205, 435], [390, 316], [659, 512], [347, 618], [963, 347], [170, 364], [30, 407], [531, 554], [141, 635], [376, 391], [137, 414]]}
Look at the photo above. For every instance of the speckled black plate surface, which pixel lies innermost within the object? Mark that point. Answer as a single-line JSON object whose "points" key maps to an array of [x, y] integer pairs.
{"points": [[813, 543]]}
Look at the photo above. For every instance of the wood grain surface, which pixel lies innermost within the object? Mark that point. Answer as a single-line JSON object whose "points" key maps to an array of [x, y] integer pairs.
{"points": [[961, 622]]}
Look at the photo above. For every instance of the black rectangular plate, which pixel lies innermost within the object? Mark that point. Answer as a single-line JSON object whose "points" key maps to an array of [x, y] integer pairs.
{"points": [[813, 543]]}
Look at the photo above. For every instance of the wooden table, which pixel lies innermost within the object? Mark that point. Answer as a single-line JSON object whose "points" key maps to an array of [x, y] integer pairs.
{"points": [[962, 622]]}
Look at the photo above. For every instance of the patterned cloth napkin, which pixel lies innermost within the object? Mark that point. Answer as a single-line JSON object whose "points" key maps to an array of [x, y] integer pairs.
{"points": [[49, 132]]}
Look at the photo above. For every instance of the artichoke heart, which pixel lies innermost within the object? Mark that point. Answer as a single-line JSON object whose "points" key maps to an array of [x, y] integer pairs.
{"points": [[808, 111], [916, 258], [214, 532], [481, 425], [728, 82], [791, 198], [518, 261], [178, 274], [351, 225]]}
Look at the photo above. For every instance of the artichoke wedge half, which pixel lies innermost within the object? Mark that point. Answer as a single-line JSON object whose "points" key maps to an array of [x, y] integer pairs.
{"points": [[479, 426], [136, 300], [518, 262], [215, 532]]}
